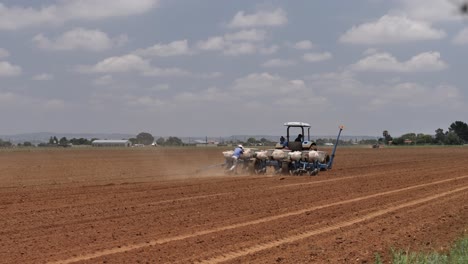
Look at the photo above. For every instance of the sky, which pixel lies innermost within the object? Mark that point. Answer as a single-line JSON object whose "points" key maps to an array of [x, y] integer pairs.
{"points": [[221, 68]]}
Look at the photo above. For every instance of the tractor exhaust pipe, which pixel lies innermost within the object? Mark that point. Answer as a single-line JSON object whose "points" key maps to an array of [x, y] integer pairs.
{"points": [[330, 163]]}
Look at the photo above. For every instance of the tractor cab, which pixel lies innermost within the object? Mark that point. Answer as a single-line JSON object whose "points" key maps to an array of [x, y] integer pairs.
{"points": [[293, 141]]}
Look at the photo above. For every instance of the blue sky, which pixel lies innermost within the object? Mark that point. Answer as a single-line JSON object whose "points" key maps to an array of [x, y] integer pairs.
{"points": [[217, 68]]}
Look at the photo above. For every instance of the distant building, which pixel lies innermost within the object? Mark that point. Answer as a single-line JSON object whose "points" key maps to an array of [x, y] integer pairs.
{"points": [[205, 143], [111, 143]]}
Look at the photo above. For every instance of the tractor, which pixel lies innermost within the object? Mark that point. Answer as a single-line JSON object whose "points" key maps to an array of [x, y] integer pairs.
{"points": [[296, 157]]}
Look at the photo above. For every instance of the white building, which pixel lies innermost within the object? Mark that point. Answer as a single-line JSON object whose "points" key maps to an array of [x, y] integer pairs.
{"points": [[111, 143]]}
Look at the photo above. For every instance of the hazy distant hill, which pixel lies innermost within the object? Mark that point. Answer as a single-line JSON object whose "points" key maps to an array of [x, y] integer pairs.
{"points": [[269, 137], [276, 138], [45, 136], [40, 137]]}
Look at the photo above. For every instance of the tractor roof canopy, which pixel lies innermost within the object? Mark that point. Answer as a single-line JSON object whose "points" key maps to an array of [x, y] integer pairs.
{"points": [[296, 124], [300, 125]]}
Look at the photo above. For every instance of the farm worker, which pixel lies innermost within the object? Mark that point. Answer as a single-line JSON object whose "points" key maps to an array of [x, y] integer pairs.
{"points": [[299, 138], [283, 142], [282, 139], [237, 153]]}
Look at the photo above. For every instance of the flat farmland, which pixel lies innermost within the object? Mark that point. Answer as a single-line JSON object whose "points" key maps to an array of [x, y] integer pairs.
{"points": [[149, 205]]}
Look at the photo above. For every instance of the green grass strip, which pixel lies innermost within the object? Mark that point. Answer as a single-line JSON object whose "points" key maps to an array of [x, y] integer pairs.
{"points": [[457, 255]]}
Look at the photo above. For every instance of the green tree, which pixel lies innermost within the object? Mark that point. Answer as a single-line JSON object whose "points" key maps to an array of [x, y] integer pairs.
{"points": [[409, 136], [63, 141], [439, 136], [461, 129], [386, 137], [452, 139], [399, 140], [368, 141], [173, 141], [320, 141], [133, 141], [5, 143], [144, 138], [79, 141], [160, 141], [27, 144], [251, 141], [424, 139]]}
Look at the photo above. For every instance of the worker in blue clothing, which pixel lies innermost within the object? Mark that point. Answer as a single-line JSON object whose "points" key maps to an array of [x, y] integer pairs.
{"points": [[283, 142], [238, 151]]}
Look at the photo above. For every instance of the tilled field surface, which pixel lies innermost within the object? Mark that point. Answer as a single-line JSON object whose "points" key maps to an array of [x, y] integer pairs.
{"points": [[149, 206]]}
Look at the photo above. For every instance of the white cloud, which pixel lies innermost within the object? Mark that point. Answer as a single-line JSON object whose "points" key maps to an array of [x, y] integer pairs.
{"points": [[275, 88], [462, 37], [240, 43], [167, 72], [246, 35], [316, 57], [304, 45], [29, 104], [174, 48], [242, 48], [385, 62], [4, 53], [391, 29], [340, 84], [430, 10], [262, 84], [9, 70], [118, 64], [134, 63], [43, 77], [275, 63], [13, 18], [80, 38], [414, 95], [276, 17], [212, 43], [391, 94], [244, 42], [268, 50], [370, 51]]}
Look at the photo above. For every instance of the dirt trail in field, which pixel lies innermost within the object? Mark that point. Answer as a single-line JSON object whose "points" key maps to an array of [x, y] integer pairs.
{"points": [[111, 211]]}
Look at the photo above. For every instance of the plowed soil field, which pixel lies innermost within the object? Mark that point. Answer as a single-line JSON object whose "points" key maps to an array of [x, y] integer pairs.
{"points": [[149, 206]]}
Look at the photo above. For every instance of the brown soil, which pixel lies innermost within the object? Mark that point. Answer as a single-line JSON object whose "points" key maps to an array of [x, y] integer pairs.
{"points": [[150, 206]]}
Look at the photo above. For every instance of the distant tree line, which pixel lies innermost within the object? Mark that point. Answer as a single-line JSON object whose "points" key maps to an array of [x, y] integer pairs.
{"points": [[5, 144], [64, 142], [457, 134]]}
